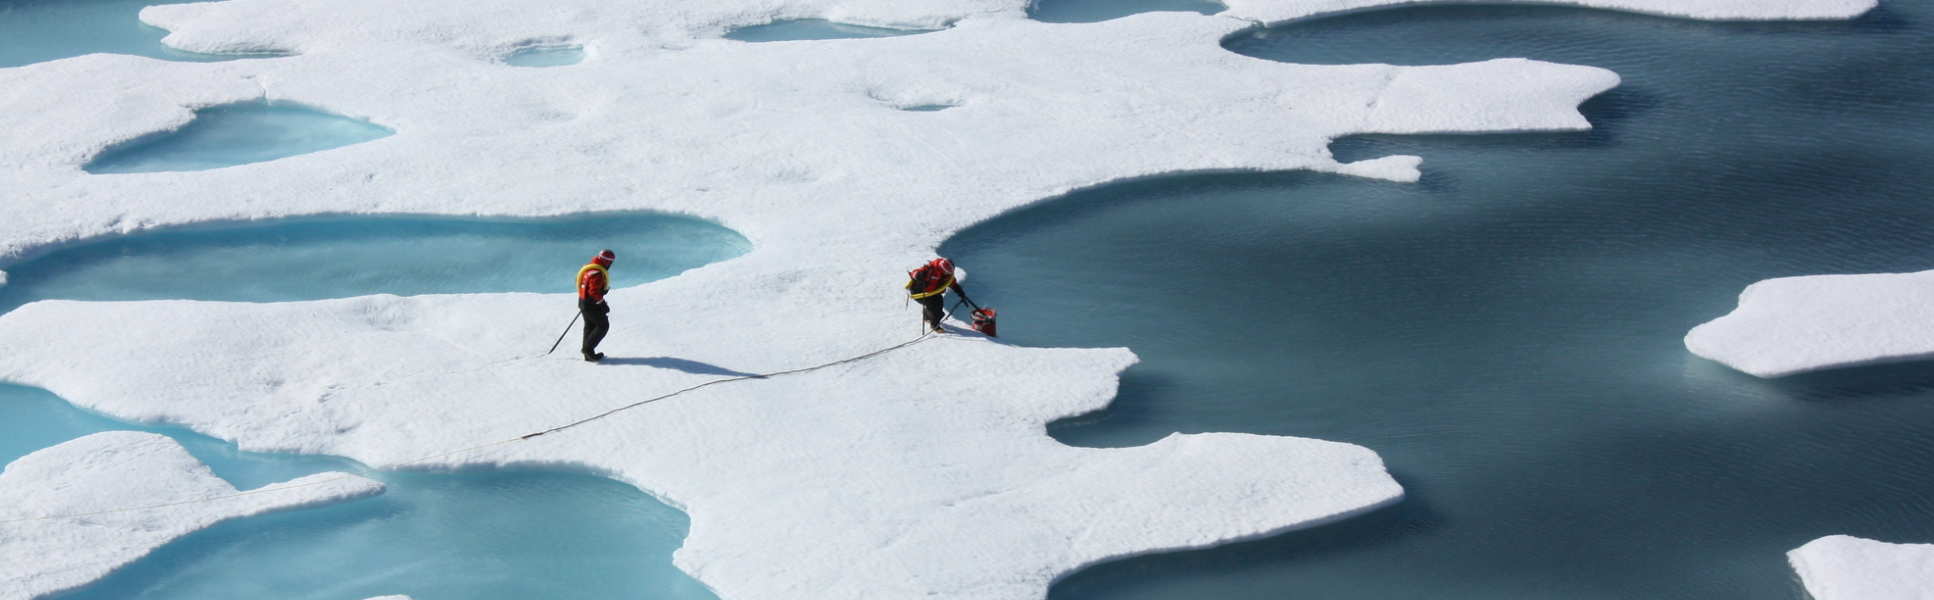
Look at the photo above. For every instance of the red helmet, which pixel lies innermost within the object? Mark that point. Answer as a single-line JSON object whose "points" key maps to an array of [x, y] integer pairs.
{"points": [[604, 258], [945, 266]]}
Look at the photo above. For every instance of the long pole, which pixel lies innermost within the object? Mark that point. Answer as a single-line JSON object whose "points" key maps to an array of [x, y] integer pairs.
{"points": [[567, 331]]}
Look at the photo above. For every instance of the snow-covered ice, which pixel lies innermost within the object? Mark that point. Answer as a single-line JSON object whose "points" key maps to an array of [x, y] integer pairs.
{"points": [[79, 483], [1840, 567], [921, 472], [1796, 324]]}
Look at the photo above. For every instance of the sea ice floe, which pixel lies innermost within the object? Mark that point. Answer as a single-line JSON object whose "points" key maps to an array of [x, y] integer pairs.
{"points": [[1840, 567], [1797, 324], [921, 472], [62, 522]]}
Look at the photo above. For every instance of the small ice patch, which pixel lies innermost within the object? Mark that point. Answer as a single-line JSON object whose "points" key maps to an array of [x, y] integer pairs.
{"points": [[1839, 567], [813, 29], [236, 134], [1795, 324]]}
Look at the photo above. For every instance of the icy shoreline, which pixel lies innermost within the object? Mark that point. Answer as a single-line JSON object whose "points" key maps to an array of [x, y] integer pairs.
{"points": [[923, 472]]}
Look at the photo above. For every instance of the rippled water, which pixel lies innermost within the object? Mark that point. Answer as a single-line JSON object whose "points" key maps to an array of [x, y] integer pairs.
{"points": [[1507, 332]]}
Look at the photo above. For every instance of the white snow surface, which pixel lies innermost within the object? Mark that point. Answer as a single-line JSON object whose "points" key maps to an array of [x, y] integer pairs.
{"points": [[920, 472], [1792, 325], [1840, 567], [74, 481]]}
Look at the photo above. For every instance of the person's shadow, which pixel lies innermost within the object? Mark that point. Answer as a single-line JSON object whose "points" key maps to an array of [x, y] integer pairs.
{"points": [[667, 362]]}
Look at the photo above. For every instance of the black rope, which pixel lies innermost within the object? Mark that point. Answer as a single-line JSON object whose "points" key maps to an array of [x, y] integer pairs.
{"points": [[267, 489], [923, 337]]}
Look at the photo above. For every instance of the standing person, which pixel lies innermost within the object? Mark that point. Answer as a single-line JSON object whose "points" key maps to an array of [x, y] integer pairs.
{"points": [[928, 285], [594, 281]]}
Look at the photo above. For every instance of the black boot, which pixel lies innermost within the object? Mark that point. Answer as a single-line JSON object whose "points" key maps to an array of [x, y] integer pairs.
{"points": [[593, 356]]}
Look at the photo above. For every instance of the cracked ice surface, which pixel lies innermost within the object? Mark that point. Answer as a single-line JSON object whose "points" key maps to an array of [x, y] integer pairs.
{"points": [[1840, 567], [1796, 324], [114, 470], [924, 472]]}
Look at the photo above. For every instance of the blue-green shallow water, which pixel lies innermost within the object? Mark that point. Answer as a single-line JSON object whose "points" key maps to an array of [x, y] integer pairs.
{"points": [[1507, 332], [546, 56], [482, 534], [332, 257], [34, 31], [813, 29], [466, 535], [237, 134], [1092, 11]]}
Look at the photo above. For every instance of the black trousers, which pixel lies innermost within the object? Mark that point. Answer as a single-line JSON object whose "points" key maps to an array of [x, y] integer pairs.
{"points": [[936, 306], [596, 323]]}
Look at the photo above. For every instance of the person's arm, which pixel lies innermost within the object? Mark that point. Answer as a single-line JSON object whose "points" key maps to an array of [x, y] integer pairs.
{"points": [[963, 293]]}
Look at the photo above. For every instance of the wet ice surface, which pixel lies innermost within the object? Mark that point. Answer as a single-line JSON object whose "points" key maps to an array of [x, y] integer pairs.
{"points": [[237, 134], [1507, 331]]}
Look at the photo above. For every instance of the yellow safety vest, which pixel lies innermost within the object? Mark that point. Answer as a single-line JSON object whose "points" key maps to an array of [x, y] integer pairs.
{"points": [[933, 292], [606, 273]]}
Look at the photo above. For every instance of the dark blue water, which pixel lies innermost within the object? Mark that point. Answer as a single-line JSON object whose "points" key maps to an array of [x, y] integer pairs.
{"points": [[334, 257], [812, 29], [236, 134], [1094, 11], [1507, 332], [34, 31]]}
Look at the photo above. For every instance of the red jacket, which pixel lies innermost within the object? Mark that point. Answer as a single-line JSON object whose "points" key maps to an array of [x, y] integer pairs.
{"points": [[928, 281], [593, 283]]}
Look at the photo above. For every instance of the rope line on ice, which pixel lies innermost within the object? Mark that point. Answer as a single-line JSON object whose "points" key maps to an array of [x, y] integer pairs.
{"points": [[264, 490]]}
